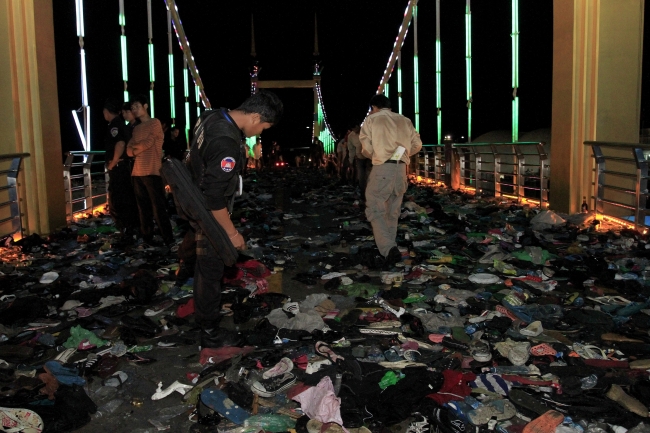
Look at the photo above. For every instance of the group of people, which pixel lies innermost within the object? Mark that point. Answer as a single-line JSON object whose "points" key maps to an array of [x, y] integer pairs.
{"points": [[134, 153], [379, 151]]}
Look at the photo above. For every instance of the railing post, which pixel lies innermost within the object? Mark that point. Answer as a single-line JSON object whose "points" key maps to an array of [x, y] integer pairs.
{"points": [[88, 182], [14, 206], [462, 161], [438, 164], [519, 178], [478, 159], [641, 188], [426, 163], [497, 171], [599, 181], [543, 180], [67, 184]]}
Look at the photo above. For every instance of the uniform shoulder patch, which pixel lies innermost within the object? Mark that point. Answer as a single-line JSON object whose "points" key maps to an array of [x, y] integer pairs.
{"points": [[114, 132], [228, 164]]}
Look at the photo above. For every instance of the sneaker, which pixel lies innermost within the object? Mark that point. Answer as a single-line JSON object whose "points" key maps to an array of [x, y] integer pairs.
{"points": [[273, 386], [480, 350], [291, 308], [421, 425], [284, 366]]}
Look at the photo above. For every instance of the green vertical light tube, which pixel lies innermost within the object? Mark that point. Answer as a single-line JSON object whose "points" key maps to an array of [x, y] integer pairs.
{"points": [[515, 70], [468, 67], [399, 82], [186, 95], [125, 69], [386, 90], [172, 98], [438, 75], [416, 78], [197, 92], [152, 72]]}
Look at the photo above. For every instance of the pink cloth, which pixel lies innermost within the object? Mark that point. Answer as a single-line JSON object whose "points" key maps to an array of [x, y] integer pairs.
{"points": [[320, 403]]}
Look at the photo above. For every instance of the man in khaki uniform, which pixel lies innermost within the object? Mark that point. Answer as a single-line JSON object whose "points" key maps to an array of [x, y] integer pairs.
{"points": [[388, 139]]}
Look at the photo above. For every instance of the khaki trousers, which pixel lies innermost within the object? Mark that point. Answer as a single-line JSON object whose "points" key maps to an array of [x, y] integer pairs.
{"points": [[387, 184]]}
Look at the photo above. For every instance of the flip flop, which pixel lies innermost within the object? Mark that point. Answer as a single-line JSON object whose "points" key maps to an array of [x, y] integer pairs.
{"points": [[323, 349], [542, 350], [20, 420], [219, 402]]}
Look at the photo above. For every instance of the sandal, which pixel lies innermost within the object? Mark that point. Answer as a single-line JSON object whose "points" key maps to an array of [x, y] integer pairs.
{"points": [[542, 350], [589, 351]]}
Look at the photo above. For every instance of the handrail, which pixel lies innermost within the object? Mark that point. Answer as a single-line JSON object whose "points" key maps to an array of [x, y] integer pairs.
{"points": [[89, 187], [633, 169], [13, 202]]}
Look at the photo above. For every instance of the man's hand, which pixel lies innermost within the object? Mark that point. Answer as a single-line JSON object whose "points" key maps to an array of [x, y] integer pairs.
{"points": [[238, 241]]}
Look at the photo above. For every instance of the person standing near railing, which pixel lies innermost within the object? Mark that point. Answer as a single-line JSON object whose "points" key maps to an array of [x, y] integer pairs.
{"points": [[146, 147], [388, 139], [121, 199], [363, 164]]}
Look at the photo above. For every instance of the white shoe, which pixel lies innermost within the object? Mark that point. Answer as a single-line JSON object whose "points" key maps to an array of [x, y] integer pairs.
{"points": [[386, 306], [175, 386]]}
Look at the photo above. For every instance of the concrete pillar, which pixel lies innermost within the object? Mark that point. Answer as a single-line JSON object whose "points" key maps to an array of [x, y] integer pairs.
{"points": [[597, 55], [29, 109]]}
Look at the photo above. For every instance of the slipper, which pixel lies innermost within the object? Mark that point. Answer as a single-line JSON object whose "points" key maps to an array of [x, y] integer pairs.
{"points": [[218, 401], [499, 409], [116, 379], [175, 386], [157, 309], [589, 351], [323, 349], [545, 423], [509, 314], [20, 420], [542, 350]]}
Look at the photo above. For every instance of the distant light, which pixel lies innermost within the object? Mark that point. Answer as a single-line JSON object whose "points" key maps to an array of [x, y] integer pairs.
{"points": [[308, 127]]}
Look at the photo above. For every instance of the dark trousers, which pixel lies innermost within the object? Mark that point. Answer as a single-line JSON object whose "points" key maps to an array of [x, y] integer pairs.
{"points": [[150, 195], [363, 170], [121, 198], [208, 272]]}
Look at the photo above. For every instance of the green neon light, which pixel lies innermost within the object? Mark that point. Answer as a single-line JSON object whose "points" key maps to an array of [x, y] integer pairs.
{"points": [[172, 99], [187, 121], [125, 69], [416, 77], [152, 72], [468, 68], [399, 83], [515, 70], [122, 20], [126, 96], [152, 113], [186, 84], [386, 90], [198, 100], [438, 92]]}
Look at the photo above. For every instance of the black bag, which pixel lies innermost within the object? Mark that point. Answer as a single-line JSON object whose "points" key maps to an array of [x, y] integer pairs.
{"points": [[190, 200]]}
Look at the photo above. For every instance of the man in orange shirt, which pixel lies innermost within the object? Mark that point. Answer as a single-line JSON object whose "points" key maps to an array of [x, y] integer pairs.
{"points": [[146, 146]]}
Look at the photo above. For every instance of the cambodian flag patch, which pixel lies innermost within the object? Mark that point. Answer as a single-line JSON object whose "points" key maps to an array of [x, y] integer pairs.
{"points": [[228, 164]]}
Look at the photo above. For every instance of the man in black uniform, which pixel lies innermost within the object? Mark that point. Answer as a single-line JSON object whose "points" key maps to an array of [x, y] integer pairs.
{"points": [[216, 158], [121, 198]]}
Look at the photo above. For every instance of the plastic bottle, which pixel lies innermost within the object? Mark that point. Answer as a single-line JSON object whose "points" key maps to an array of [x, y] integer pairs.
{"points": [[337, 383], [107, 408], [103, 394], [270, 423], [172, 411], [589, 381], [510, 369], [585, 206]]}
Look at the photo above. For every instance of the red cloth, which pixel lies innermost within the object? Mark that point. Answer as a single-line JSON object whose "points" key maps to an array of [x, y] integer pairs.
{"points": [[219, 354], [186, 309], [454, 388]]}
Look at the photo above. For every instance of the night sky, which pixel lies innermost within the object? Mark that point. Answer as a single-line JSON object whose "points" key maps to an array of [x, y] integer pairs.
{"points": [[355, 41]]}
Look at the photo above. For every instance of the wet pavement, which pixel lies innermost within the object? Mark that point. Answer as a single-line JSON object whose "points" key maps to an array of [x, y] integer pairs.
{"points": [[498, 317]]}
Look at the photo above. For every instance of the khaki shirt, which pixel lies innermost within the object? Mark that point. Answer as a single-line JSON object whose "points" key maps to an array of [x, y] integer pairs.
{"points": [[354, 146], [383, 132]]}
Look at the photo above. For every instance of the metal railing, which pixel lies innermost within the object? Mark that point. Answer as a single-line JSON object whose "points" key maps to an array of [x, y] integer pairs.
{"points": [[620, 180], [81, 192], [430, 162], [518, 169], [10, 213]]}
